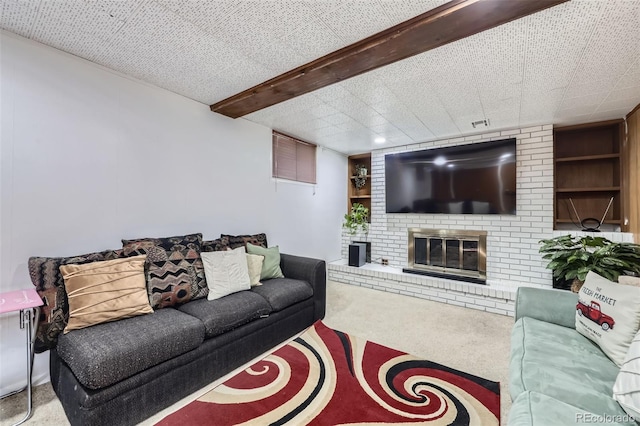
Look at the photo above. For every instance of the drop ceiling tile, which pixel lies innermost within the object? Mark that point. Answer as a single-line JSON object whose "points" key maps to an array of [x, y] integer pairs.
{"points": [[618, 104], [402, 10], [313, 40], [332, 92], [18, 16], [354, 21]]}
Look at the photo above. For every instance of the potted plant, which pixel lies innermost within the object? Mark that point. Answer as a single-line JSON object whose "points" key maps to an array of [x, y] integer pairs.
{"points": [[571, 258], [357, 219], [361, 176]]}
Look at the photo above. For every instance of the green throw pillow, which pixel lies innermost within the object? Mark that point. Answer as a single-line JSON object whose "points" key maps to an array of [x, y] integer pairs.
{"points": [[271, 264]]}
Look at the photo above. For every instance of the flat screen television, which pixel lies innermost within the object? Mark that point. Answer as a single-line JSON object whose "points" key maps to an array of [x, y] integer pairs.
{"points": [[478, 178]]}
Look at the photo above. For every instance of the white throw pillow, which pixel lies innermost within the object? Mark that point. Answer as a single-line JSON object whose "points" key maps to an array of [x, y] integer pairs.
{"points": [[254, 263], [626, 389], [629, 280], [609, 314], [226, 272]]}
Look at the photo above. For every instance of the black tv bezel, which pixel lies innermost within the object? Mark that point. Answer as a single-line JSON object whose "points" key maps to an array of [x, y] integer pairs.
{"points": [[443, 150]]}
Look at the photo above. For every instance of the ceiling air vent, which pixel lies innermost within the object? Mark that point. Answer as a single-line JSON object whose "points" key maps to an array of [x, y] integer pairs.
{"points": [[480, 123]]}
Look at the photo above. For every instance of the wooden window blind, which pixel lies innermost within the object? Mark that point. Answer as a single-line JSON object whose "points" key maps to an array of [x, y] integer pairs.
{"points": [[293, 159]]}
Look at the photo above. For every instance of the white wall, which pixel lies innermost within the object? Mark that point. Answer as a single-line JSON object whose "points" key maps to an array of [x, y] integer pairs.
{"points": [[89, 156]]}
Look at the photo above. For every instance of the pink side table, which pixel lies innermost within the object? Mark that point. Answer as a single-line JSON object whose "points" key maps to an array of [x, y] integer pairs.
{"points": [[28, 302]]}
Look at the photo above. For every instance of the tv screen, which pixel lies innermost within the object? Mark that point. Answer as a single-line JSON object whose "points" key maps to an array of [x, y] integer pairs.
{"points": [[478, 178]]}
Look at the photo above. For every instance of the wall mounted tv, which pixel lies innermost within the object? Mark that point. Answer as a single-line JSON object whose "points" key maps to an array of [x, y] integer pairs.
{"points": [[478, 178]]}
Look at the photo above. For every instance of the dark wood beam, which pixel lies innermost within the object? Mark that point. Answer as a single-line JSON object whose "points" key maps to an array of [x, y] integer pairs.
{"points": [[452, 21]]}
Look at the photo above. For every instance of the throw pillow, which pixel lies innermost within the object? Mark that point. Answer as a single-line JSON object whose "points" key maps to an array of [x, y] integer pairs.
{"points": [[629, 280], [608, 313], [235, 241], [175, 273], [214, 245], [227, 272], [271, 264], [254, 264], [47, 278], [626, 389], [105, 291]]}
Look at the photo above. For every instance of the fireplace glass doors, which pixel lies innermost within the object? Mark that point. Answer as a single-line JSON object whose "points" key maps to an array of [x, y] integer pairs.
{"points": [[449, 253]]}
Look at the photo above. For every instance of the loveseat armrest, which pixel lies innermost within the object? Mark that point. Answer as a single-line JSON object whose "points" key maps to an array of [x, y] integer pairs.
{"points": [[314, 271], [554, 306]]}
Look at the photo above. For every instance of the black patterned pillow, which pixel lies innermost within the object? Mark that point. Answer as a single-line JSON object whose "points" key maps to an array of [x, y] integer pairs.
{"points": [[235, 241], [214, 245], [174, 269], [170, 282], [46, 277]]}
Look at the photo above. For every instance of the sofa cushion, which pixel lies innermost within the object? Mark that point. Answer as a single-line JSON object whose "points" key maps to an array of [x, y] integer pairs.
{"points": [[175, 273], [235, 241], [283, 292], [535, 409], [580, 374], [214, 245], [47, 278], [626, 389], [104, 354], [228, 312]]}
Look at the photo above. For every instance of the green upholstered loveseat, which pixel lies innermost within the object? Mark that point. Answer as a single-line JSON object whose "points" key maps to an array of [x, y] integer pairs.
{"points": [[557, 376]]}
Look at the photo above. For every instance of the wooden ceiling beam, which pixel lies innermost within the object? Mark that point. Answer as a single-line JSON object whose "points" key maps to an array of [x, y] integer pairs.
{"points": [[447, 23]]}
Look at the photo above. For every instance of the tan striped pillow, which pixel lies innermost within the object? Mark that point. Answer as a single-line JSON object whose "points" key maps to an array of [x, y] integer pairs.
{"points": [[105, 291]]}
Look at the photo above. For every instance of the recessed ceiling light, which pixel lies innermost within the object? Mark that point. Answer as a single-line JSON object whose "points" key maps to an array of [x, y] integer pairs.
{"points": [[379, 140]]}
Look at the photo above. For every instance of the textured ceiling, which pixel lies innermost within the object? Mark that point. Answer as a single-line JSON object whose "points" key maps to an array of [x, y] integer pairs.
{"points": [[574, 63]]}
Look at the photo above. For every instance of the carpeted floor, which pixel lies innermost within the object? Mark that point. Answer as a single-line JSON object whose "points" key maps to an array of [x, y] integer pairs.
{"points": [[465, 339]]}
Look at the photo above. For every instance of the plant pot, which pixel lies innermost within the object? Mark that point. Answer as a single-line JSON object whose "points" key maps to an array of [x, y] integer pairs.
{"points": [[576, 285], [561, 284]]}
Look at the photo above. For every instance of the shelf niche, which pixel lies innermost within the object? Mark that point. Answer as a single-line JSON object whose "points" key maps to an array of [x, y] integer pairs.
{"points": [[587, 171], [362, 195]]}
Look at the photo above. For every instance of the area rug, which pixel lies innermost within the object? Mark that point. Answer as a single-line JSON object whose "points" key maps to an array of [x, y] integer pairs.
{"points": [[326, 377]]}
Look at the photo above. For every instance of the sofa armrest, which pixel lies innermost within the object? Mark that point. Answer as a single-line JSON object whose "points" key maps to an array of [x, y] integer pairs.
{"points": [[554, 306], [314, 271]]}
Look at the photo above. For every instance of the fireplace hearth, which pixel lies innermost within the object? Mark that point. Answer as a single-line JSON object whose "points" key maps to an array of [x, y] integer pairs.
{"points": [[459, 255]]}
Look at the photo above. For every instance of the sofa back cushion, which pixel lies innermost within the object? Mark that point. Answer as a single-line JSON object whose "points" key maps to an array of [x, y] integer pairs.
{"points": [[46, 277], [235, 241], [174, 269], [105, 291]]}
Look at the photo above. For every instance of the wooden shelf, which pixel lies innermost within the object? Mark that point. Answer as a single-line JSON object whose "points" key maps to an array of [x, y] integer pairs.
{"points": [[588, 172], [608, 221], [360, 196], [592, 189], [366, 176], [587, 158]]}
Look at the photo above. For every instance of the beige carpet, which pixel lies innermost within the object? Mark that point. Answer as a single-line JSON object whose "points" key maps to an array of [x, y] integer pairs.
{"points": [[472, 341]]}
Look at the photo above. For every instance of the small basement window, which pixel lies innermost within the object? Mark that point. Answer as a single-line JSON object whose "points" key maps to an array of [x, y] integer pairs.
{"points": [[293, 159]]}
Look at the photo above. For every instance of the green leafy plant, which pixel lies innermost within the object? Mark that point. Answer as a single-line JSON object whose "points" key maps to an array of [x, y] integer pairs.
{"points": [[571, 258], [357, 219]]}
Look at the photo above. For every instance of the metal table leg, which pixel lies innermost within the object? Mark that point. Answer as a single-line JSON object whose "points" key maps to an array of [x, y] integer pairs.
{"points": [[29, 320]]}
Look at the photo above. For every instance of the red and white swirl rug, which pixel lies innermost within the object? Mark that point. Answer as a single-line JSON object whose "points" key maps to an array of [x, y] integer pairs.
{"points": [[326, 377]]}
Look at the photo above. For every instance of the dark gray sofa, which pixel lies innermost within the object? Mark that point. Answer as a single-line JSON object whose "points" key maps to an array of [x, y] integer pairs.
{"points": [[123, 372]]}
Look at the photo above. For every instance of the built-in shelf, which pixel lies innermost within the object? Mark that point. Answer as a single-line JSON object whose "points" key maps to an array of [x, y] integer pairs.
{"points": [[362, 195], [588, 173], [587, 158], [595, 189]]}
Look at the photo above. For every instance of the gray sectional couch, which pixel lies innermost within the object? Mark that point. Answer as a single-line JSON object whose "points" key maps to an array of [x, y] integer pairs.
{"points": [[122, 372]]}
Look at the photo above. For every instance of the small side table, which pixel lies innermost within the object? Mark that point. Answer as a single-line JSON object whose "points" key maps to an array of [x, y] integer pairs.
{"points": [[28, 302]]}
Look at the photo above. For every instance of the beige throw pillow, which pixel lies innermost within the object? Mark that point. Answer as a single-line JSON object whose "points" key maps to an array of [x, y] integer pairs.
{"points": [[105, 291], [254, 263], [227, 272], [608, 313], [629, 280]]}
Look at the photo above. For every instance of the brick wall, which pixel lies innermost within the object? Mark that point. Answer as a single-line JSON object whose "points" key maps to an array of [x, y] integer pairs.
{"points": [[512, 241]]}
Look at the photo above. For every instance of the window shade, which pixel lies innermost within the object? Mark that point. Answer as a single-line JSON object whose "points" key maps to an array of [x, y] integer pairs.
{"points": [[293, 159]]}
